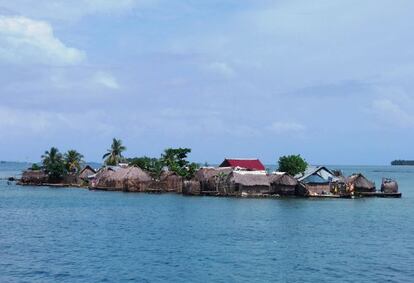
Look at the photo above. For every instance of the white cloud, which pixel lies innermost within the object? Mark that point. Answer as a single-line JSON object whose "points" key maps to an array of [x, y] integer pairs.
{"points": [[106, 80], [22, 121], [285, 127], [71, 10], [390, 113], [23, 40]]}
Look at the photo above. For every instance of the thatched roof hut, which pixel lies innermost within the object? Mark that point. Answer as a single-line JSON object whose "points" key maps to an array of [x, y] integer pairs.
{"points": [[34, 177], [206, 173], [212, 178], [123, 179], [389, 186], [360, 183], [191, 188], [86, 172], [283, 179], [247, 183], [171, 182], [283, 184]]}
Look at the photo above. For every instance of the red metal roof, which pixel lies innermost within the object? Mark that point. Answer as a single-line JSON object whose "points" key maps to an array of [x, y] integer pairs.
{"points": [[249, 164]]}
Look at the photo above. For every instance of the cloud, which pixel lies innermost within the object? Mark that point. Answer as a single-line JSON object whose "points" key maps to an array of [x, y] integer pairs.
{"points": [[15, 121], [392, 114], [71, 10], [23, 40], [106, 80], [286, 127]]}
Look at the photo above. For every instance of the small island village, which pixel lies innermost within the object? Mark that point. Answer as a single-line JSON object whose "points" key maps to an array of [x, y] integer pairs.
{"points": [[173, 173]]}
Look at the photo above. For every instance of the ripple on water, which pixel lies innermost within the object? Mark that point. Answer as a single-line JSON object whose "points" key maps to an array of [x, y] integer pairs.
{"points": [[63, 235]]}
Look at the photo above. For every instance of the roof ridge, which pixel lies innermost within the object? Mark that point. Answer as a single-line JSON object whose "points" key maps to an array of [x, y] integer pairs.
{"points": [[241, 158]]}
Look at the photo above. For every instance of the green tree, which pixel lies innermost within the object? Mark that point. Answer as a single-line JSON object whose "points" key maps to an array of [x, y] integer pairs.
{"points": [[176, 160], [114, 154], [153, 165], [54, 164], [292, 164], [73, 161], [35, 167]]}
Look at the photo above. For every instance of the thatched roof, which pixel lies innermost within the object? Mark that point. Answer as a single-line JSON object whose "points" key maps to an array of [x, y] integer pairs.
{"points": [[86, 172], [359, 181], [249, 180], [121, 177], [282, 180], [389, 186], [168, 174], [34, 176], [206, 173], [131, 173]]}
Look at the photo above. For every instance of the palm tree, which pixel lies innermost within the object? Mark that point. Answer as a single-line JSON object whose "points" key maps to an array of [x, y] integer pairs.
{"points": [[53, 163], [73, 161], [114, 155]]}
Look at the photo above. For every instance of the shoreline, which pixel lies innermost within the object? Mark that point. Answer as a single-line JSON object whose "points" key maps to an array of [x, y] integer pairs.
{"points": [[217, 195]]}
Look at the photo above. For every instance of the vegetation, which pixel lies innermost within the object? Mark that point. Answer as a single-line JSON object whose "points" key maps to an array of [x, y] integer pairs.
{"points": [[292, 164], [73, 161], [403, 162], [153, 165], [35, 167], [54, 164], [114, 154], [57, 165], [175, 159]]}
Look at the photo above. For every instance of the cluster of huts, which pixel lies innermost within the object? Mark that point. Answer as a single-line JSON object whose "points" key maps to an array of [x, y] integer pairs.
{"points": [[241, 177], [234, 177]]}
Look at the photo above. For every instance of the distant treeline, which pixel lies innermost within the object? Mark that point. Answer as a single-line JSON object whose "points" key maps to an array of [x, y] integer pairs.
{"points": [[403, 162]]}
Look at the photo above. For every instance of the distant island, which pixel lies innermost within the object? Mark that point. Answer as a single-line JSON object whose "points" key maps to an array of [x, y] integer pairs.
{"points": [[403, 162]]}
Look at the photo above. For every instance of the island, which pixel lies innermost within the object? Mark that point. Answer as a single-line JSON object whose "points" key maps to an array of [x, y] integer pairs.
{"points": [[173, 173], [402, 163]]}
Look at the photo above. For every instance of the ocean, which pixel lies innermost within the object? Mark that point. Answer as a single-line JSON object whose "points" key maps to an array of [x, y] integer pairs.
{"points": [[76, 235]]}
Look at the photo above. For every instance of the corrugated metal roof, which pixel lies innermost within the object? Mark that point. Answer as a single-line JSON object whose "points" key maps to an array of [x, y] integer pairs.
{"points": [[321, 172], [250, 164]]}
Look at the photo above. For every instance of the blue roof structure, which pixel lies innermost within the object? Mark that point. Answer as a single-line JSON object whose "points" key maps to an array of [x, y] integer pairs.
{"points": [[316, 175], [315, 179]]}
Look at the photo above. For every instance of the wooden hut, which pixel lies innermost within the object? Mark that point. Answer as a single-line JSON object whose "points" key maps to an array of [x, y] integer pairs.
{"points": [[191, 188], [86, 172], [317, 180], [171, 182], [130, 179], [283, 184], [211, 179], [389, 186], [247, 183], [34, 177], [360, 184]]}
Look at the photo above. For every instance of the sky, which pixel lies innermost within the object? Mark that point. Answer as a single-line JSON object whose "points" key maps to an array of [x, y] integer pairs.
{"points": [[331, 80]]}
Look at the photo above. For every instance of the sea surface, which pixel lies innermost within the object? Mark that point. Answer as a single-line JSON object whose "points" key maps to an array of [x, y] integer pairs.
{"points": [[76, 235]]}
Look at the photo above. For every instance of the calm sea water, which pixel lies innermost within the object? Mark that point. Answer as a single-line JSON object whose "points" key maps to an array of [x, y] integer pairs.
{"points": [[75, 235]]}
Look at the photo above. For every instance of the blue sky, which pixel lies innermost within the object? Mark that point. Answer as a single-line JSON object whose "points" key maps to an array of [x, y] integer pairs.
{"points": [[331, 80]]}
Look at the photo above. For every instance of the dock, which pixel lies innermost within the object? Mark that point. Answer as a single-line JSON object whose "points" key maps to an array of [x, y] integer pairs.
{"points": [[380, 194]]}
